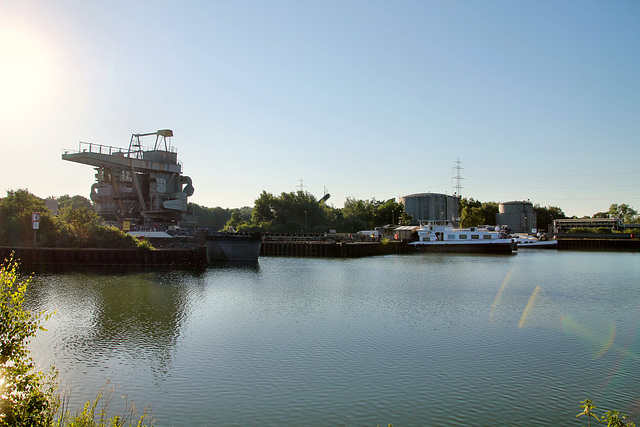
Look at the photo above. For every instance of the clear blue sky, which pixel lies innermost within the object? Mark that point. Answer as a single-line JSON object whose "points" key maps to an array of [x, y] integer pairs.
{"points": [[370, 99]]}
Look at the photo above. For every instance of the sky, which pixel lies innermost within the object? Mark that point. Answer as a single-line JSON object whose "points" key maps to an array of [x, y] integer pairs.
{"points": [[534, 101]]}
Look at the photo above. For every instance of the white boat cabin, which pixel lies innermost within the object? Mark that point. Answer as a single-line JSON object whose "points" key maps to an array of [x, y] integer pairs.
{"points": [[443, 231]]}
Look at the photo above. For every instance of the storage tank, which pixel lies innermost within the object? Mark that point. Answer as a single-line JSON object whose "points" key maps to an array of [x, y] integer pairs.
{"points": [[518, 216], [431, 207]]}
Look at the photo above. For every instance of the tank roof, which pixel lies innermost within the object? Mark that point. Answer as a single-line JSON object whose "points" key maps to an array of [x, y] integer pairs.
{"points": [[428, 194], [517, 202]]}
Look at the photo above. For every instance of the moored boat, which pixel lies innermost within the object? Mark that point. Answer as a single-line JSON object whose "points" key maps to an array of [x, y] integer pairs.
{"points": [[441, 236], [526, 241]]}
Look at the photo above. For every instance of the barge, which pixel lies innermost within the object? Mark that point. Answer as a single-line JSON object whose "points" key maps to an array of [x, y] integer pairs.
{"points": [[441, 236]]}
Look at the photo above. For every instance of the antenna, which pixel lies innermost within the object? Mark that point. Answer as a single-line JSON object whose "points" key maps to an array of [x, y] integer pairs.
{"points": [[458, 179]]}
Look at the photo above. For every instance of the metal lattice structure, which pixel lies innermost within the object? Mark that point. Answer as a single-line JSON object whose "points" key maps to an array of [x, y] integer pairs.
{"points": [[140, 185]]}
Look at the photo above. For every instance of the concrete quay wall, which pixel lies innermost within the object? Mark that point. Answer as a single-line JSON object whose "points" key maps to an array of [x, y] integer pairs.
{"points": [[91, 257], [330, 249], [614, 244]]}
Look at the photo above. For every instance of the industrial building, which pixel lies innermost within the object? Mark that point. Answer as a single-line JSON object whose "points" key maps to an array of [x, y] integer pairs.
{"points": [[138, 185], [519, 217], [431, 207], [566, 224]]}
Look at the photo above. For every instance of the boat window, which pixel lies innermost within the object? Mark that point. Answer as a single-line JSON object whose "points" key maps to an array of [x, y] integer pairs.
{"points": [[451, 237], [475, 236], [462, 237], [487, 237]]}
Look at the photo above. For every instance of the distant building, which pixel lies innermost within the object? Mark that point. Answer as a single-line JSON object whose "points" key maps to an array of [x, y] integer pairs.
{"points": [[52, 205], [519, 217], [564, 225], [431, 207]]}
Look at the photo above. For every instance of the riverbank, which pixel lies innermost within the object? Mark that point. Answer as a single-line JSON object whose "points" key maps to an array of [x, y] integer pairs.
{"points": [[599, 244], [199, 256], [93, 257]]}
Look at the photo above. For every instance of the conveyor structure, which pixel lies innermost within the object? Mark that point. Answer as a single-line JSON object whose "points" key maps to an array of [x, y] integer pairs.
{"points": [[139, 185]]}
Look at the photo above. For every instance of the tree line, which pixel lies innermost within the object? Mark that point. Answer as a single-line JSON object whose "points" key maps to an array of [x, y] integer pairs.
{"points": [[77, 224], [301, 212]]}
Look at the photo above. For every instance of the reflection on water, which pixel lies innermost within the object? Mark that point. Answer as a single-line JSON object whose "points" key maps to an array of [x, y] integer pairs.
{"points": [[470, 340], [110, 323]]}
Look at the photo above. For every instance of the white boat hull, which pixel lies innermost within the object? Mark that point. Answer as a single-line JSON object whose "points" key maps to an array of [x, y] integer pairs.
{"points": [[541, 244]]}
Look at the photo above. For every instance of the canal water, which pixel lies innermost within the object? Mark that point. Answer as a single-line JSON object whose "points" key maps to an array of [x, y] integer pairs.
{"points": [[411, 340]]}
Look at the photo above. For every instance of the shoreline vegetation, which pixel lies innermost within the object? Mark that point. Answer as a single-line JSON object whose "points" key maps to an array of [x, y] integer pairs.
{"points": [[75, 224]]}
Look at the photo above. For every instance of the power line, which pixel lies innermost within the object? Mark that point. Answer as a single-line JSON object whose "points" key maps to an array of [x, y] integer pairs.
{"points": [[556, 176]]}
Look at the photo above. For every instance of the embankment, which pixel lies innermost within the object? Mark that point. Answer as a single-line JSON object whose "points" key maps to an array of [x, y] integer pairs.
{"points": [[66, 257]]}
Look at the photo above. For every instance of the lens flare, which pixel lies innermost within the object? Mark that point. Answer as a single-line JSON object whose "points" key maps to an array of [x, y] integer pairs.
{"points": [[603, 342], [496, 300], [529, 306]]}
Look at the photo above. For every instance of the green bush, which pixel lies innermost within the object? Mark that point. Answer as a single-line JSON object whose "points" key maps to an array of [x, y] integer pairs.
{"points": [[610, 418], [75, 226], [27, 397]]}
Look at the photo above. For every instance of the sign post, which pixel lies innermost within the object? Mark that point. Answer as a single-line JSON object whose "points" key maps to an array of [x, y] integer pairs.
{"points": [[35, 224]]}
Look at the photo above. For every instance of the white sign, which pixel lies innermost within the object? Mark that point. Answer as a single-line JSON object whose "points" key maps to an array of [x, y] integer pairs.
{"points": [[35, 220]]}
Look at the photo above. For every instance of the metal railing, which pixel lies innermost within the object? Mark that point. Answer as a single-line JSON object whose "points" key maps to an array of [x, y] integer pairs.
{"points": [[92, 147]]}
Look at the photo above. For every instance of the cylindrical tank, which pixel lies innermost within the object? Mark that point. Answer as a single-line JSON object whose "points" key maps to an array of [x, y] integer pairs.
{"points": [[431, 206], [518, 216]]}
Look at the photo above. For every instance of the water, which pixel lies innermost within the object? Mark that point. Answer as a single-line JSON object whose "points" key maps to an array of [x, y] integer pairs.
{"points": [[410, 340]]}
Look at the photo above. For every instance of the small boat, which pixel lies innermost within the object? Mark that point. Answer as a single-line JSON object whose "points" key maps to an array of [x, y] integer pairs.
{"points": [[533, 242], [441, 236]]}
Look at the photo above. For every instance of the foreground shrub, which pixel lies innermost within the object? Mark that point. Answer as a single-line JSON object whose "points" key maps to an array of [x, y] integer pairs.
{"points": [[95, 413], [610, 418], [27, 397]]}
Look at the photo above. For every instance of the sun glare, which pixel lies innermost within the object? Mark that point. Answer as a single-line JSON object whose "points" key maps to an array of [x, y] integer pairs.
{"points": [[24, 73]]}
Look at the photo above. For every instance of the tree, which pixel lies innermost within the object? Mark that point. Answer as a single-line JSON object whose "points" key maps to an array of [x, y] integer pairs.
{"points": [[264, 208], [362, 213], [15, 220], [234, 223], [388, 212], [474, 213], [627, 214], [76, 225], [293, 212], [215, 218], [74, 202], [546, 214]]}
